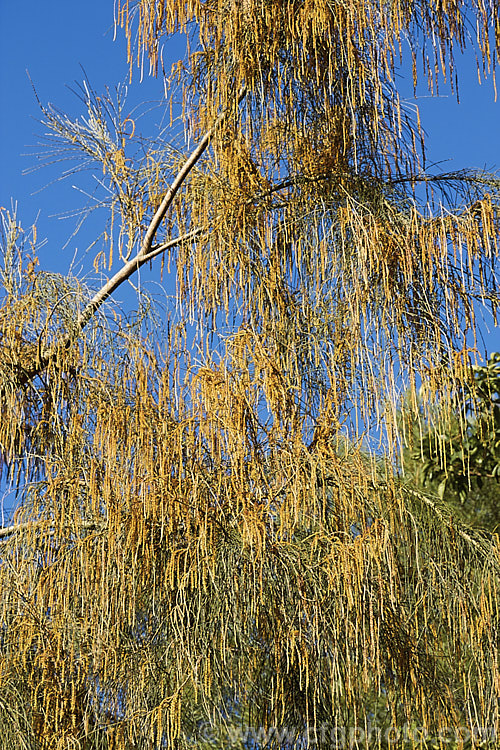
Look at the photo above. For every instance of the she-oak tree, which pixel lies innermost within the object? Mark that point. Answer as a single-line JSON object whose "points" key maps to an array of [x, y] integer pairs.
{"points": [[202, 545]]}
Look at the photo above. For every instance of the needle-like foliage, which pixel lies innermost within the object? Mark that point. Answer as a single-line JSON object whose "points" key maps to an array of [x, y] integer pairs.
{"points": [[204, 551]]}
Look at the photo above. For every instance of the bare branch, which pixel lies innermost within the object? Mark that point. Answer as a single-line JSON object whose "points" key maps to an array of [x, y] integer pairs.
{"points": [[125, 273], [7, 531], [146, 252]]}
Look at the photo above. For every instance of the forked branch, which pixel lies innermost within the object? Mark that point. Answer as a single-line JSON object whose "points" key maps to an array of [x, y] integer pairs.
{"points": [[146, 252]]}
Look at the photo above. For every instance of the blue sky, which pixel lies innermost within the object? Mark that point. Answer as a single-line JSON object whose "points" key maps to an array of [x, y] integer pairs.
{"points": [[55, 40]]}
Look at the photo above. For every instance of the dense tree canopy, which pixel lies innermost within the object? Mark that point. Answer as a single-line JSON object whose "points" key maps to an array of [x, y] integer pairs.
{"points": [[203, 544]]}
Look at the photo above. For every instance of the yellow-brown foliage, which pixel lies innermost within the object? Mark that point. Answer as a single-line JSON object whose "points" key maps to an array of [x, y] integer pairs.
{"points": [[202, 538]]}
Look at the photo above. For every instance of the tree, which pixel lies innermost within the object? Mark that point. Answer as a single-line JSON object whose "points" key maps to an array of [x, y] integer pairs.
{"points": [[462, 461], [202, 544]]}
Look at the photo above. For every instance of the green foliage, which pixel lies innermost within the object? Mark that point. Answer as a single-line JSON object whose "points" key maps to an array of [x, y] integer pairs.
{"points": [[459, 458]]}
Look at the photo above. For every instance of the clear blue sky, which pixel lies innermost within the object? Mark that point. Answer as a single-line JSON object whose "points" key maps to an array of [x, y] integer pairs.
{"points": [[53, 39]]}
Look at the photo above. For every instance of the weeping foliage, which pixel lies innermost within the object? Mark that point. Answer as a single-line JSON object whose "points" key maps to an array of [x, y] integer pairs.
{"points": [[184, 564], [202, 544], [322, 227]]}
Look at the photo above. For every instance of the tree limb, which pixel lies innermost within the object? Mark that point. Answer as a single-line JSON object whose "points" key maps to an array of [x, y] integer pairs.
{"points": [[6, 531], [146, 252]]}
